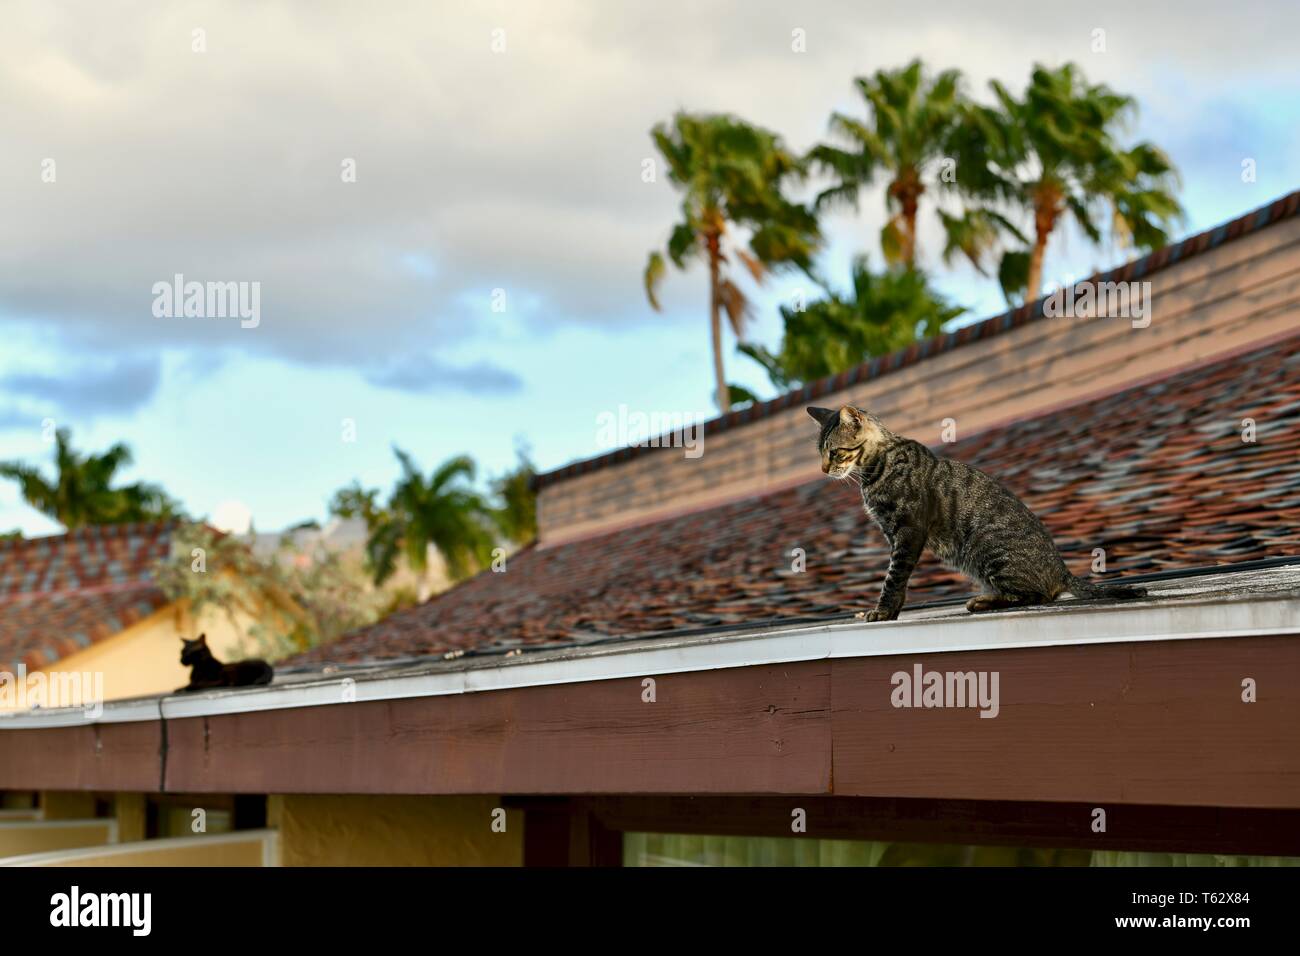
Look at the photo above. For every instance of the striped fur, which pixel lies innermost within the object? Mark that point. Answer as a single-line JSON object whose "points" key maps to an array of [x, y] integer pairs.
{"points": [[969, 521]]}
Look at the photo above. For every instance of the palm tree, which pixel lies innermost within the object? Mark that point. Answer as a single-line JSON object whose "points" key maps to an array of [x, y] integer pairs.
{"points": [[516, 516], [886, 311], [442, 511], [1054, 153], [911, 120], [82, 493], [730, 174]]}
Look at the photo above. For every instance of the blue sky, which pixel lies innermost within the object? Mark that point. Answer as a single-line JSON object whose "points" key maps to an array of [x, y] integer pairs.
{"points": [[477, 171]]}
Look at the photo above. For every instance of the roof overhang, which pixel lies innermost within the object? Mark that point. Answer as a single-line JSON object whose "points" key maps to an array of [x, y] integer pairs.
{"points": [[1233, 604], [1138, 702]]}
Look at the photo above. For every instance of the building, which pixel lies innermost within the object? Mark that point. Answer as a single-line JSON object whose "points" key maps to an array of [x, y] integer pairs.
{"points": [[83, 611], [674, 673], [346, 538]]}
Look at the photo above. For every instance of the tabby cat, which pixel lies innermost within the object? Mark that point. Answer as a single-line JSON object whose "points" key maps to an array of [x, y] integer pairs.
{"points": [[971, 522], [207, 672]]}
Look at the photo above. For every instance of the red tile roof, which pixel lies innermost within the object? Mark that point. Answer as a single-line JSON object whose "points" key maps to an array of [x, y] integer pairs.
{"points": [[1157, 474], [62, 593], [1142, 268]]}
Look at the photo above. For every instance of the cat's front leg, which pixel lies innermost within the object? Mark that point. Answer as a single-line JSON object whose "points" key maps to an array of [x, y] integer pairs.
{"points": [[905, 550]]}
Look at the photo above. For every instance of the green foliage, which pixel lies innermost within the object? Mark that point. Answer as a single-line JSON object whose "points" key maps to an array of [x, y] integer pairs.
{"points": [[1016, 167], [335, 594], [443, 511], [975, 234], [83, 494], [739, 394], [1054, 152], [1013, 274], [912, 118], [885, 312], [293, 600], [516, 511], [356, 502], [730, 173]]}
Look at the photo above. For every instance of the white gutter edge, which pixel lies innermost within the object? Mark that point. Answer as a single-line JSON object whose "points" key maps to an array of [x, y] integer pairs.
{"points": [[269, 839], [1260, 615]]}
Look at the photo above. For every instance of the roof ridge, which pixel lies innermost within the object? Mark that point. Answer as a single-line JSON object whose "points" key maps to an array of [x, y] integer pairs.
{"points": [[17, 597], [102, 532], [1270, 213], [974, 436]]}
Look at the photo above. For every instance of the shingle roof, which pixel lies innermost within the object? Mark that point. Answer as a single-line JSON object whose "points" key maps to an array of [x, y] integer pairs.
{"points": [[1142, 268], [1157, 474], [62, 593]]}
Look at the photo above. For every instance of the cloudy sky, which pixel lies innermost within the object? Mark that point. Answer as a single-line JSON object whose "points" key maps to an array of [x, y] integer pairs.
{"points": [[134, 148]]}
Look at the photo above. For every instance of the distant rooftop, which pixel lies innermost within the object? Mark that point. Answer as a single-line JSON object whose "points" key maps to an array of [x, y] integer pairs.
{"points": [[61, 593], [337, 534]]}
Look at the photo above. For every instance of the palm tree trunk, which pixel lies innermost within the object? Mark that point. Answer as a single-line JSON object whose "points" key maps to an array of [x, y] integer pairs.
{"points": [[715, 319], [910, 204], [1045, 216], [906, 190], [1035, 281]]}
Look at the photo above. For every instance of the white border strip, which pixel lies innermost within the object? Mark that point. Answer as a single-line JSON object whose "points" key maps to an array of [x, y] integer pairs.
{"points": [[270, 840], [19, 815], [1251, 615]]}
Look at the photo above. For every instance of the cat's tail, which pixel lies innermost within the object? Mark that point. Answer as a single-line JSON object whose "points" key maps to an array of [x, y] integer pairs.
{"points": [[1081, 587]]}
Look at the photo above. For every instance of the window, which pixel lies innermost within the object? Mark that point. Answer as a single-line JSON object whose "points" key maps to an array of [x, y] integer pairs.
{"points": [[672, 849]]}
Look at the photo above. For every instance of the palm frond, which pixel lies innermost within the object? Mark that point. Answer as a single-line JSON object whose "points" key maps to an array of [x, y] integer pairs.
{"points": [[654, 274], [1013, 275]]}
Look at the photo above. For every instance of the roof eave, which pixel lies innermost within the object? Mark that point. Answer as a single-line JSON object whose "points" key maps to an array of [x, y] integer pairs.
{"points": [[1262, 603]]}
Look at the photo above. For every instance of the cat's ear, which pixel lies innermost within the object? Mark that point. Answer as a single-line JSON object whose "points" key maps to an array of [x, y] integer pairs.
{"points": [[202, 639], [821, 415], [851, 417]]}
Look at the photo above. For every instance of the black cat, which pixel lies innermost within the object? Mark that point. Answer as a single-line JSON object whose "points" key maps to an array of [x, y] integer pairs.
{"points": [[207, 672]]}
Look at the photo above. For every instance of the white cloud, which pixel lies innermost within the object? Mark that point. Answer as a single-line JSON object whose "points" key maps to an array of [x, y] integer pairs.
{"points": [[518, 170]]}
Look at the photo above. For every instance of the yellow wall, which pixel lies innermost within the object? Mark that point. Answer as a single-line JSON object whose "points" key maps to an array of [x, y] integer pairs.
{"points": [[326, 830], [67, 804], [20, 838], [312, 830], [129, 811], [144, 659]]}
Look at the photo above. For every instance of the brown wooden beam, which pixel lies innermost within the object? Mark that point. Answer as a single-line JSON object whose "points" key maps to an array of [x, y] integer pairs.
{"points": [[1173, 829], [562, 831], [546, 833], [765, 729], [106, 757], [1158, 723]]}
